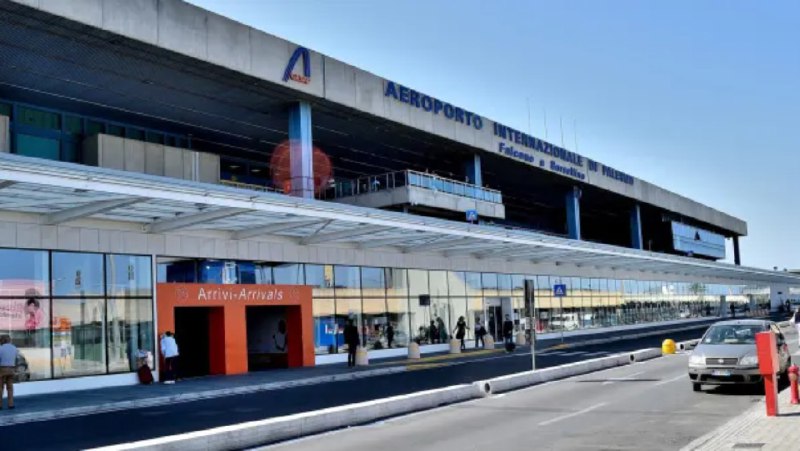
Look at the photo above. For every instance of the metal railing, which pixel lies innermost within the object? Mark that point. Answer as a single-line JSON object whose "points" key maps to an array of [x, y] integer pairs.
{"points": [[375, 183], [251, 186]]}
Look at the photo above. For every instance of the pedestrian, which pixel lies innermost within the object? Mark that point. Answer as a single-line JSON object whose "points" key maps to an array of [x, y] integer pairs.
{"points": [[351, 339], [733, 311], [796, 321], [480, 332], [433, 333], [169, 350], [461, 331], [8, 363], [389, 335], [508, 330], [442, 330]]}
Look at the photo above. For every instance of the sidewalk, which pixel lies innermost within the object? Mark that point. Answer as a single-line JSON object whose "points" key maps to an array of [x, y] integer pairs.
{"points": [[754, 430], [87, 402]]}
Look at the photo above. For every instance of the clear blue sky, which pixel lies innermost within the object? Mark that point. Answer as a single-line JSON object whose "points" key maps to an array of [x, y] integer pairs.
{"points": [[701, 98]]}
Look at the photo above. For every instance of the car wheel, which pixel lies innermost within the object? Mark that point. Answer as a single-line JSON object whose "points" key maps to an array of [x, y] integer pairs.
{"points": [[696, 386]]}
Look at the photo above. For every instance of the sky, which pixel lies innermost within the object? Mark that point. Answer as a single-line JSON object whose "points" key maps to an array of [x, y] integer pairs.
{"points": [[700, 98]]}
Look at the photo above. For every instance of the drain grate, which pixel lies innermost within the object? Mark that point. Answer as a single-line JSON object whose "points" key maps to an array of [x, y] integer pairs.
{"points": [[748, 445]]}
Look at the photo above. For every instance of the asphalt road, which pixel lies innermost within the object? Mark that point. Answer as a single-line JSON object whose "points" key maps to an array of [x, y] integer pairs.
{"points": [[648, 405], [131, 425]]}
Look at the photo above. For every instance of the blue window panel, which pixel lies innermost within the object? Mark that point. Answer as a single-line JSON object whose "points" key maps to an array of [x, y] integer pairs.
{"points": [[36, 146]]}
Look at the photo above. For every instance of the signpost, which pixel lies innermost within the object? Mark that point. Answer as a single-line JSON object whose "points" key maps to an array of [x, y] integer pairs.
{"points": [[560, 291], [472, 216]]}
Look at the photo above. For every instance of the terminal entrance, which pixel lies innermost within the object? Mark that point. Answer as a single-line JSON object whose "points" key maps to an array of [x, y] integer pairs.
{"points": [[496, 311], [197, 339], [267, 338]]}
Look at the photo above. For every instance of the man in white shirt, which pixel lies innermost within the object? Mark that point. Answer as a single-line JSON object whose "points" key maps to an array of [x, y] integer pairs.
{"points": [[169, 349], [8, 362]]}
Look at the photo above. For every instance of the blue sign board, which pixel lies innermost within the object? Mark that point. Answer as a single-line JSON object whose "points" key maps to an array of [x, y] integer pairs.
{"points": [[472, 215], [559, 290]]}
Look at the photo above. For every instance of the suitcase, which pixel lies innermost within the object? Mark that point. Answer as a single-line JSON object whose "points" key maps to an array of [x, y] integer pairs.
{"points": [[145, 375], [510, 347]]}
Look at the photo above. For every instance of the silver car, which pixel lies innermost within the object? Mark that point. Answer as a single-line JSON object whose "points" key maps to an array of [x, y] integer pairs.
{"points": [[727, 353]]}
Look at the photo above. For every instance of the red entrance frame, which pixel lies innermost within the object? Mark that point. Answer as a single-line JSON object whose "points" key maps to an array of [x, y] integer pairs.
{"points": [[228, 331]]}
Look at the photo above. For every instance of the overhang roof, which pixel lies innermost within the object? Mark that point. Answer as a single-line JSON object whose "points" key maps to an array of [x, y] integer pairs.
{"points": [[64, 192]]}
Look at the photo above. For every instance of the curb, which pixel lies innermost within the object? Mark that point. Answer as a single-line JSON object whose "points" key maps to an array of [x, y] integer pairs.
{"points": [[621, 337], [264, 432], [188, 397]]}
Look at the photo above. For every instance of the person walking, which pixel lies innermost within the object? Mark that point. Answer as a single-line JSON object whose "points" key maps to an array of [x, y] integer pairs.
{"points": [[796, 321], [8, 363], [461, 331], [480, 332], [169, 350], [434, 334], [352, 340], [441, 329], [508, 331], [389, 335]]}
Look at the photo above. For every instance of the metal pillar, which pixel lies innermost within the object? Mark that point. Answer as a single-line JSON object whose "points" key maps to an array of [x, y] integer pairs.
{"points": [[737, 260], [574, 213], [301, 150], [636, 227]]}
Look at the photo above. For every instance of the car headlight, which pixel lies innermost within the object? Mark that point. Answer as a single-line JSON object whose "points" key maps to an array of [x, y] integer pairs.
{"points": [[697, 359], [749, 360]]}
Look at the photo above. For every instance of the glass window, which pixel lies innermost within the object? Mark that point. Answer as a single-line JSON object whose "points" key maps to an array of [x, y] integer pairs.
{"points": [[154, 137], [489, 282], [38, 118], [396, 282], [456, 283], [518, 284], [77, 274], [320, 277], [116, 130], [373, 278], [73, 124], [79, 347], [418, 282], [23, 273], [504, 284], [27, 322], [474, 284], [458, 309], [375, 320], [130, 330], [5, 109], [70, 151], [327, 334], [94, 127], [440, 312], [128, 275], [438, 283], [36, 146], [288, 274], [134, 133], [347, 281]]}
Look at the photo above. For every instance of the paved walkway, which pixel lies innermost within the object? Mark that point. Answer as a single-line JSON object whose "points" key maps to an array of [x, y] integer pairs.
{"points": [[86, 402], [753, 430]]}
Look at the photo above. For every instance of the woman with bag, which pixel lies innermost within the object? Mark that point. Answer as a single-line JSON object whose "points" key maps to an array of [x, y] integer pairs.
{"points": [[461, 331]]}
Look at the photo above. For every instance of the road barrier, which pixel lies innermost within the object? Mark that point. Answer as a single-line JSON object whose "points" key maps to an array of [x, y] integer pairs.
{"points": [[529, 378], [262, 432]]}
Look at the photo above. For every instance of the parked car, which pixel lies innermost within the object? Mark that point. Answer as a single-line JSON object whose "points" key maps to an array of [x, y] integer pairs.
{"points": [[21, 372], [727, 353]]}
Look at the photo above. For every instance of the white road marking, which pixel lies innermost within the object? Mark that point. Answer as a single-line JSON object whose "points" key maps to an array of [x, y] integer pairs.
{"points": [[596, 353], [674, 379], [565, 354], [617, 379], [574, 414]]}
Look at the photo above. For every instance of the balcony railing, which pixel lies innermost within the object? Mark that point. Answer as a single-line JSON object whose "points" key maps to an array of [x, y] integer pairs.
{"points": [[375, 183]]}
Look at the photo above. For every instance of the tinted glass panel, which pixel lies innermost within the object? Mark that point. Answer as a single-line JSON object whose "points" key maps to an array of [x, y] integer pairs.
{"points": [[23, 273], [128, 275], [130, 332], [79, 347], [36, 146], [38, 118], [288, 274], [73, 124], [76, 274], [320, 277]]}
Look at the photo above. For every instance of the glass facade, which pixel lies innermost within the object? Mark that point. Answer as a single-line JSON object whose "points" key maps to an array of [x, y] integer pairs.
{"points": [[375, 298], [75, 314]]}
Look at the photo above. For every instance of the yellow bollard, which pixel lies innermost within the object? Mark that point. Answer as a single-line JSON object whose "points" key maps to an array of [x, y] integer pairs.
{"points": [[668, 346]]}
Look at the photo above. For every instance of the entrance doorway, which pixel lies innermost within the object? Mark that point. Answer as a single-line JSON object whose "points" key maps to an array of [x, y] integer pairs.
{"points": [[496, 311], [267, 338], [198, 332]]}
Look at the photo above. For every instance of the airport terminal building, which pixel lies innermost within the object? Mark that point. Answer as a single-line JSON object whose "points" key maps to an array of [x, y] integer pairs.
{"points": [[166, 168]]}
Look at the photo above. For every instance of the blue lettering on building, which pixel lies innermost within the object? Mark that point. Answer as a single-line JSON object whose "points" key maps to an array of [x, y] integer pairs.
{"points": [[289, 72], [538, 145], [432, 105]]}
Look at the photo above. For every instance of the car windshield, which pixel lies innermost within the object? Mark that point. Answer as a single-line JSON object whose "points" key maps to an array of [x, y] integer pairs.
{"points": [[732, 334]]}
